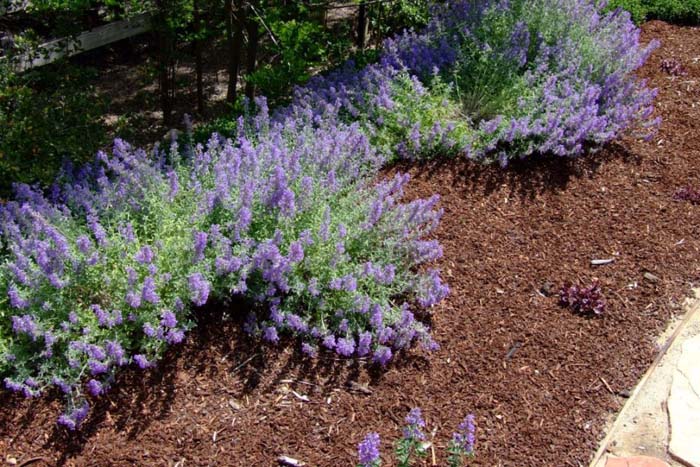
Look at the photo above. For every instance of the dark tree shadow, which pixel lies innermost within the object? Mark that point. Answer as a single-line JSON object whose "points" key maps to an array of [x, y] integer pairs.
{"points": [[524, 178]]}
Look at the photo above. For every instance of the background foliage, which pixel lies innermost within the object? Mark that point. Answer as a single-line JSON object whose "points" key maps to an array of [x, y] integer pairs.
{"points": [[674, 11]]}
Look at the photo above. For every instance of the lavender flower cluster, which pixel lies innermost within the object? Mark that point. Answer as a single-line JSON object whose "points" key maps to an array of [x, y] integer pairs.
{"points": [[556, 75], [414, 442], [105, 269]]}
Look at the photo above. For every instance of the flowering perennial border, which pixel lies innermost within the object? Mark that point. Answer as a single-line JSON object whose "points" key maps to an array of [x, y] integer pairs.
{"points": [[104, 269]]}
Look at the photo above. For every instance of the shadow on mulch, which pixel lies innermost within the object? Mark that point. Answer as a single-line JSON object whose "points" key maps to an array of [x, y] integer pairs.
{"points": [[526, 178], [143, 398]]}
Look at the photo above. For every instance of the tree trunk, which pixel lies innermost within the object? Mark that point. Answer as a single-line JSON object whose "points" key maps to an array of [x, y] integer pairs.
{"points": [[199, 62], [362, 26], [235, 22], [251, 55], [165, 55]]}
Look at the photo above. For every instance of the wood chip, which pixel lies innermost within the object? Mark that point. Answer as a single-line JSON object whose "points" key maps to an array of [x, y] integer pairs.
{"points": [[301, 397], [651, 277], [602, 262], [363, 388], [286, 460]]}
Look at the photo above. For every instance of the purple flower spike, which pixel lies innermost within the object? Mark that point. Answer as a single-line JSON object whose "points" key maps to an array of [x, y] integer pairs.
{"points": [[415, 424], [145, 255], [465, 436], [368, 450], [94, 387], [199, 289]]}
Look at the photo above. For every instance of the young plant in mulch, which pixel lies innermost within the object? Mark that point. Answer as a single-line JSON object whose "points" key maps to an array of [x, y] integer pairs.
{"points": [[688, 194], [673, 67], [587, 301], [413, 443]]}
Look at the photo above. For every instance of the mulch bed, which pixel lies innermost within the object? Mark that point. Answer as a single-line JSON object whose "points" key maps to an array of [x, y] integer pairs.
{"points": [[541, 380]]}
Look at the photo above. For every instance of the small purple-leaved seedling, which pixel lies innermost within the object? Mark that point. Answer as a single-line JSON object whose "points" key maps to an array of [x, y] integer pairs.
{"points": [[585, 301], [689, 194], [673, 67]]}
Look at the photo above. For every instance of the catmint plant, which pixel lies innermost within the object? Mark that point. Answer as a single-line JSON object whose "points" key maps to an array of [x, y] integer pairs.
{"points": [[461, 446], [108, 267], [368, 451], [460, 450], [413, 440]]}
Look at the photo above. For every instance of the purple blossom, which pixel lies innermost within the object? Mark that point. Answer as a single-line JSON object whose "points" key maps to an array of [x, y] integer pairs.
{"points": [[97, 368], [148, 293], [465, 436], [84, 244], [116, 352], [175, 336], [145, 255], [73, 419], [95, 387], [368, 450], [295, 323], [25, 324], [345, 346], [296, 252], [149, 330], [415, 424], [199, 289], [309, 350], [270, 335], [200, 244], [133, 299], [102, 316], [168, 319], [174, 185], [364, 344], [382, 355], [142, 361], [16, 300], [329, 342]]}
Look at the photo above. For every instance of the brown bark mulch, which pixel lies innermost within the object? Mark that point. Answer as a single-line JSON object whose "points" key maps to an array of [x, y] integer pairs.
{"points": [[541, 380]]}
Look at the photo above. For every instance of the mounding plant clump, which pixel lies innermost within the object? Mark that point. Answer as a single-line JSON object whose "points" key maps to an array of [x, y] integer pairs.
{"points": [[497, 81], [104, 270], [107, 268]]}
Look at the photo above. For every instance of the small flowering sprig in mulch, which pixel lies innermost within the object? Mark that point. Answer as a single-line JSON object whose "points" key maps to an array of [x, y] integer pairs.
{"points": [[673, 67], [585, 301], [368, 451], [413, 440], [460, 448], [689, 194]]}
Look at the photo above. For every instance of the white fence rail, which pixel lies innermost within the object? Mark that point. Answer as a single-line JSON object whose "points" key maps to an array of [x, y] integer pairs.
{"points": [[87, 40]]}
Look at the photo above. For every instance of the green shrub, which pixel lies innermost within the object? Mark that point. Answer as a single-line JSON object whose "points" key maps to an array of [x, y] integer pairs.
{"points": [[301, 46], [421, 123], [675, 11], [47, 116], [388, 18]]}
